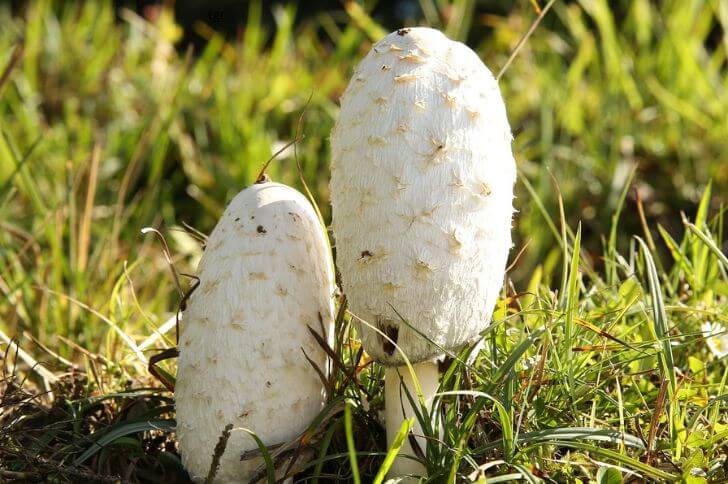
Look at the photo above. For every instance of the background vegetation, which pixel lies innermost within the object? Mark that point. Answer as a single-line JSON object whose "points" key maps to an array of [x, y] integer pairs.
{"points": [[111, 122]]}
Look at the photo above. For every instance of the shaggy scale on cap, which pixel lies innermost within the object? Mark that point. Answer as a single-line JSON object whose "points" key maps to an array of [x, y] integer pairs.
{"points": [[422, 191], [266, 274]]}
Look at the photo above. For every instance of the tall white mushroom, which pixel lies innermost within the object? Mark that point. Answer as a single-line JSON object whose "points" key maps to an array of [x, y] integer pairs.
{"points": [[265, 276], [422, 191]]}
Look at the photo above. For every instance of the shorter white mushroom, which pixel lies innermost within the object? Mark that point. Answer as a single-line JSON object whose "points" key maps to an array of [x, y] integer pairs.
{"points": [[265, 276]]}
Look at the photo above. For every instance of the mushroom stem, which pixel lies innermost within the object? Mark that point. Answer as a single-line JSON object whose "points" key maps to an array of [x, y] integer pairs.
{"points": [[398, 408]]}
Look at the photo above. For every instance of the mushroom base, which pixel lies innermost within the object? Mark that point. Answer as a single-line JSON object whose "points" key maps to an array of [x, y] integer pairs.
{"points": [[398, 408]]}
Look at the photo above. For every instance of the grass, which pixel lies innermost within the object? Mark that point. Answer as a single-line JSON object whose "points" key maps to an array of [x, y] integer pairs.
{"points": [[596, 367]]}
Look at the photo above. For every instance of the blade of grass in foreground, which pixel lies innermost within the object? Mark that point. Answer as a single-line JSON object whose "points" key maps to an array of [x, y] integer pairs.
{"points": [[710, 243], [504, 418], [662, 331], [348, 427], [270, 468], [121, 430], [660, 318], [572, 300], [394, 450], [510, 363], [610, 259], [574, 434], [324, 446], [626, 461]]}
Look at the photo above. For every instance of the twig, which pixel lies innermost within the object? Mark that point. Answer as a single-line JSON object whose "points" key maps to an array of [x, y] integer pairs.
{"points": [[40, 345], [195, 233], [84, 236], [523, 39], [167, 256], [14, 59], [219, 451], [261, 174], [655, 421], [159, 333], [125, 337], [47, 376], [518, 256]]}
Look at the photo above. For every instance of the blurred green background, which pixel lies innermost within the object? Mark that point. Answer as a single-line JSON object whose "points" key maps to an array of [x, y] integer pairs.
{"points": [[115, 117]]}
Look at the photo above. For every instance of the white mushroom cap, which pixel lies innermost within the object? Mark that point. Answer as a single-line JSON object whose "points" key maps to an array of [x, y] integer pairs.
{"points": [[422, 190], [265, 275]]}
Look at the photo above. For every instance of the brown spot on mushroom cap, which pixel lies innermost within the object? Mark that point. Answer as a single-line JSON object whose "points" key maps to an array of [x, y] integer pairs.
{"points": [[456, 242], [391, 286], [412, 58], [261, 229], [392, 333], [377, 140], [449, 100], [422, 268], [366, 253], [264, 178], [484, 189], [399, 183], [403, 32], [444, 364], [405, 78], [457, 180]]}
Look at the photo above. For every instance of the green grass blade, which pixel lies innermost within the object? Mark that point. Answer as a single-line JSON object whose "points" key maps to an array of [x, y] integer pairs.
{"points": [[393, 450], [122, 429], [660, 319], [709, 242], [269, 466], [622, 459], [572, 300], [350, 445]]}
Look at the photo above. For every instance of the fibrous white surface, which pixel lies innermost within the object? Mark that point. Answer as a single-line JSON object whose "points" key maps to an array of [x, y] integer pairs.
{"points": [[265, 275], [422, 190]]}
